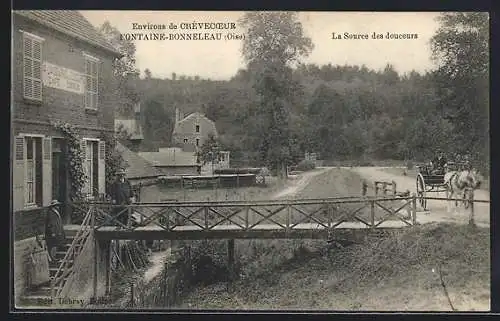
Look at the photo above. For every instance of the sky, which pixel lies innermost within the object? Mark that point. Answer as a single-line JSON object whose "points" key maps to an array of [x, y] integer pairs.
{"points": [[220, 59]]}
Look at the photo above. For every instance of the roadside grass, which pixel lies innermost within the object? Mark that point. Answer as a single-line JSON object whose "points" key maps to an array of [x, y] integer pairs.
{"points": [[399, 272]]}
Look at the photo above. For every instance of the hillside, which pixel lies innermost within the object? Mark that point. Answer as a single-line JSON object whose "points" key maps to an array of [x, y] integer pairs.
{"points": [[342, 112]]}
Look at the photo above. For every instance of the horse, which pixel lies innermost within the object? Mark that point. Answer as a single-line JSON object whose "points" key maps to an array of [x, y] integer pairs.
{"points": [[458, 183]]}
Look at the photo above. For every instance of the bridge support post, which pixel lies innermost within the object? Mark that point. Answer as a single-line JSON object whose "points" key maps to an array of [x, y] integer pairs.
{"points": [[376, 188], [230, 258], [393, 188], [108, 267]]}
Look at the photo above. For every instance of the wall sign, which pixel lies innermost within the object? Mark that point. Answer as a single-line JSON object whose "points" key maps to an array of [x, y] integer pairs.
{"points": [[62, 78]]}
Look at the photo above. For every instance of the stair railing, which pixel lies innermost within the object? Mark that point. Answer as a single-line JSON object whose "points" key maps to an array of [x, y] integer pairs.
{"points": [[57, 282]]}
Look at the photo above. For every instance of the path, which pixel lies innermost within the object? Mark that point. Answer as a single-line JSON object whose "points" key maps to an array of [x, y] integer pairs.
{"points": [[298, 185], [438, 211]]}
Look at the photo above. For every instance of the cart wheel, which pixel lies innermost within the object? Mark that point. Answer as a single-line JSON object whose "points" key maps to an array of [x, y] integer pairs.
{"points": [[421, 191]]}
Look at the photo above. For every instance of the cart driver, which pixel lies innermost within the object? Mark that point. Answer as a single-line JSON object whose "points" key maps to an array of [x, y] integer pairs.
{"points": [[439, 163]]}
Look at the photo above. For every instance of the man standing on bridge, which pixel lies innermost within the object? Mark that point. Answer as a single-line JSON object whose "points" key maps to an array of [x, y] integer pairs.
{"points": [[121, 194]]}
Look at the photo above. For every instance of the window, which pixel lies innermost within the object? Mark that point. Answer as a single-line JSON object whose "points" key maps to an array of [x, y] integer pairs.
{"points": [[91, 82], [197, 142], [33, 169], [197, 128], [32, 67], [185, 140], [92, 168]]}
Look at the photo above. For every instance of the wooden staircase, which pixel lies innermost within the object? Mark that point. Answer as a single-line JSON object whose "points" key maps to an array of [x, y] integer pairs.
{"points": [[60, 269], [41, 295]]}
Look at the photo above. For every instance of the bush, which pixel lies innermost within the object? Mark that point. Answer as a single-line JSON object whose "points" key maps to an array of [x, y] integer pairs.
{"points": [[409, 165], [305, 165]]}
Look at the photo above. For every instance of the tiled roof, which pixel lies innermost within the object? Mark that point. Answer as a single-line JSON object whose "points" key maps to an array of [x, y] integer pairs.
{"points": [[72, 23], [193, 115], [138, 167], [170, 157]]}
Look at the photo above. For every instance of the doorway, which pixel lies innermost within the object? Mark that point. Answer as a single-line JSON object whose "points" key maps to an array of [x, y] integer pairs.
{"points": [[59, 172]]}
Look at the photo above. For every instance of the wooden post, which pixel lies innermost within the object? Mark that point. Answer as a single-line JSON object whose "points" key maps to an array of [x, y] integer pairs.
{"points": [[247, 214], [385, 188], [364, 188], [393, 187], [132, 294], [414, 209], [108, 267], [372, 213], [129, 220], [237, 180], [165, 285], [376, 189], [230, 258], [206, 217], [96, 253], [329, 208], [288, 214], [471, 205]]}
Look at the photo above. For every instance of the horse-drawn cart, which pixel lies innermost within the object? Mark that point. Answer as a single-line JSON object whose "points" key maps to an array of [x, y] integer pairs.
{"points": [[430, 181]]}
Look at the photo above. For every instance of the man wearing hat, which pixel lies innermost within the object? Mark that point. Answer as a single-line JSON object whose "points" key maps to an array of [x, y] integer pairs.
{"points": [[439, 163], [54, 229], [121, 194]]}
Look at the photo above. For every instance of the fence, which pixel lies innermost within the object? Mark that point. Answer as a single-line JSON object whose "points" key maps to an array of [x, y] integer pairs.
{"points": [[385, 187]]}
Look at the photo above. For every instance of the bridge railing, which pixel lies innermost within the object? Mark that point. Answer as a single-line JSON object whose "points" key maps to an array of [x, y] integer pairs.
{"points": [[288, 215]]}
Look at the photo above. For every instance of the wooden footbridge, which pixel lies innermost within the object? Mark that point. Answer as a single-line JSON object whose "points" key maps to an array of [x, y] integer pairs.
{"points": [[278, 219], [290, 219]]}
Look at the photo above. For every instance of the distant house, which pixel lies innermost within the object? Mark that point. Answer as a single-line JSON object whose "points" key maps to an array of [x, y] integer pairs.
{"points": [[139, 170], [132, 126], [191, 132], [173, 161]]}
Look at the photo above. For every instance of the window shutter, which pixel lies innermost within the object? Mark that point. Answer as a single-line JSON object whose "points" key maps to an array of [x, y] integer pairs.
{"points": [[86, 186], [28, 67], [37, 69], [32, 66], [18, 174], [47, 171], [102, 167]]}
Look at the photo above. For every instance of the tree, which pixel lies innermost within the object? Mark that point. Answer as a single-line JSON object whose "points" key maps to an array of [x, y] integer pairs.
{"points": [[209, 151], [274, 42], [124, 69], [460, 48]]}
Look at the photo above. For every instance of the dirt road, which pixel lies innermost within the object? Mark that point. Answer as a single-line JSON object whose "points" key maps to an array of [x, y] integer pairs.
{"points": [[438, 209], [300, 183]]}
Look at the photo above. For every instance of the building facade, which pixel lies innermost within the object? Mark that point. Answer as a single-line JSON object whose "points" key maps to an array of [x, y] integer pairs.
{"points": [[190, 132], [62, 72]]}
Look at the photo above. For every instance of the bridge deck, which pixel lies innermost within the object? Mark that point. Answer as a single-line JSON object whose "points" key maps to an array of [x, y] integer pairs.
{"points": [[262, 231]]}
